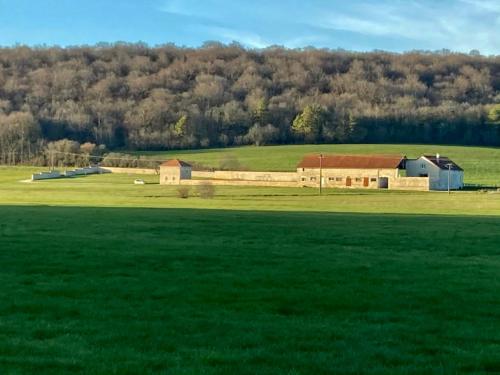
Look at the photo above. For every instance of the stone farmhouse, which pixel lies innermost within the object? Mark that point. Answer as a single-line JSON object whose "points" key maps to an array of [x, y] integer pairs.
{"points": [[354, 171], [333, 171]]}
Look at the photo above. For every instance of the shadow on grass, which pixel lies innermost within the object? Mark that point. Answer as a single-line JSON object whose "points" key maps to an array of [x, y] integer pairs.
{"points": [[137, 290], [480, 187]]}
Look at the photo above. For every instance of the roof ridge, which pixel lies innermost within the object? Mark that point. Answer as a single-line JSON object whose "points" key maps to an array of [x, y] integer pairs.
{"points": [[362, 155], [364, 161]]}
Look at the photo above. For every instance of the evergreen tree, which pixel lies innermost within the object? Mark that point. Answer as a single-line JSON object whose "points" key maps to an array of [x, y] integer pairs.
{"points": [[309, 124]]}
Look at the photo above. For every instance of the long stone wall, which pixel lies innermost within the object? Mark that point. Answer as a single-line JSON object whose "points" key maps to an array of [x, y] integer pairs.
{"points": [[74, 172], [46, 175], [247, 176], [83, 171], [239, 183], [129, 170]]}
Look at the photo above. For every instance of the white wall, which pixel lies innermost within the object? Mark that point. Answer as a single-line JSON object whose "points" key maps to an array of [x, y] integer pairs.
{"points": [[456, 180], [438, 178], [46, 175]]}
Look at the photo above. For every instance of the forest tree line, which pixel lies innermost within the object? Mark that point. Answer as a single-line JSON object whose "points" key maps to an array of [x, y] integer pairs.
{"points": [[132, 97]]}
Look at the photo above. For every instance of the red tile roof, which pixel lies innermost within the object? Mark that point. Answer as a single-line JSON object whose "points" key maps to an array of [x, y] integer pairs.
{"points": [[175, 163], [353, 161]]}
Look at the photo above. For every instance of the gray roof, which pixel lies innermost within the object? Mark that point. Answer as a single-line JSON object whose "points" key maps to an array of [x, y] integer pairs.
{"points": [[443, 162]]}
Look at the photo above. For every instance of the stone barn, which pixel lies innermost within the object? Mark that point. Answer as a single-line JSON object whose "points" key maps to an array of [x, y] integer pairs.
{"points": [[439, 169], [350, 171], [173, 171]]}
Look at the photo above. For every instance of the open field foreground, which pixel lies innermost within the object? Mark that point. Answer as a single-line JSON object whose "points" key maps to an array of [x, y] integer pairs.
{"points": [[481, 164], [101, 276], [124, 290]]}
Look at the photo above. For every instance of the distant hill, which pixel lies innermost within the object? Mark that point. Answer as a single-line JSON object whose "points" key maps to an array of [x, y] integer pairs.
{"points": [[134, 97]]}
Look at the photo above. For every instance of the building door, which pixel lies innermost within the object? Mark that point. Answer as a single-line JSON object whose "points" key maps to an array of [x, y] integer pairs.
{"points": [[366, 182], [348, 181], [383, 183]]}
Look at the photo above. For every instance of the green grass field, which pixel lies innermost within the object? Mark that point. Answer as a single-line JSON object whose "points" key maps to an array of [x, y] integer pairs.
{"points": [[100, 276]]}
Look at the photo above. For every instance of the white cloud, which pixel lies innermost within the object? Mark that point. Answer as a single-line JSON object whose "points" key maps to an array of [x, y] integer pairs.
{"points": [[174, 7], [488, 5], [462, 26], [246, 38]]}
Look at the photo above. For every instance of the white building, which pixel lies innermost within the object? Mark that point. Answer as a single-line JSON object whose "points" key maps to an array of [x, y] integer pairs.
{"points": [[439, 169]]}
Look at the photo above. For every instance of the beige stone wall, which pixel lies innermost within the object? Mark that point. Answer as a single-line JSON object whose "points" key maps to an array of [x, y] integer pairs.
{"points": [[202, 174], [338, 177], [409, 183], [247, 175], [128, 170], [173, 175], [239, 183], [170, 175], [332, 178]]}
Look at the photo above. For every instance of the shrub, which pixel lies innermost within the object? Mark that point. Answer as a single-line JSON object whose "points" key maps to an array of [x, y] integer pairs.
{"points": [[183, 192], [206, 190], [229, 163]]}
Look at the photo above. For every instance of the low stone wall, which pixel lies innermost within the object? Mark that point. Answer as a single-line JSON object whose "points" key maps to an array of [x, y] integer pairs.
{"points": [[128, 170], [247, 176], [83, 171], [238, 183], [74, 172], [46, 175], [203, 174], [409, 183]]}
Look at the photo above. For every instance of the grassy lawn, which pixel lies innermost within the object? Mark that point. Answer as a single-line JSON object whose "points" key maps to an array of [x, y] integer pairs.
{"points": [[481, 164], [135, 291], [101, 276], [119, 191]]}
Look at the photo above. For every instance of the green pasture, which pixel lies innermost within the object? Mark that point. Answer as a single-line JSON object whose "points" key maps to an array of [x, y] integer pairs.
{"points": [[101, 276], [117, 190], [95, 290]]}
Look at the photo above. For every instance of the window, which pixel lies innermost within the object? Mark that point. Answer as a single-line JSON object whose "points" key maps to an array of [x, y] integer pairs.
{"points": [[338, 179], [303, 169], [423, 166], [312, 179], [358, 179], [331, 178], [373, 179], [304, 179]]}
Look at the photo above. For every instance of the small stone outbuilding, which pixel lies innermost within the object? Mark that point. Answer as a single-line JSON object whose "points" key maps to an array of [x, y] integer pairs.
{"points": [[173, 171]]}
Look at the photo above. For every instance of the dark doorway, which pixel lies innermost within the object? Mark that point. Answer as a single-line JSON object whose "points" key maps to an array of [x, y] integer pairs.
{"points": [[383, 183], [348, 181], [366, 182]]}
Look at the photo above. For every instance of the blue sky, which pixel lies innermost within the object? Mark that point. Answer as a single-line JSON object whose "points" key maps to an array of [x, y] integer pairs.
{"points": [[363, 25]]}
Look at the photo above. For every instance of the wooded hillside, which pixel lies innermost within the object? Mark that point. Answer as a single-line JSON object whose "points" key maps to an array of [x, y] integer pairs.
{"points": [[136, 97]]}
